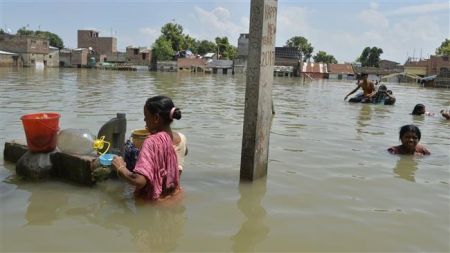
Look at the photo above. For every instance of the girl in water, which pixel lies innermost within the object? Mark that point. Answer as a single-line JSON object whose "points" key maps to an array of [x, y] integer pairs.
{"points": [[410, 137], [156, 174]]}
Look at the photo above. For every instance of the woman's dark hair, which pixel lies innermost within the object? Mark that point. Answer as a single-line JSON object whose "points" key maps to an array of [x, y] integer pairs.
{"points": [[409, 128], [162, 106], [417, 109]]}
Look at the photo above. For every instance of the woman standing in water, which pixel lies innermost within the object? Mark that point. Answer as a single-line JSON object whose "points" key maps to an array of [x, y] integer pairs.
{"points": [[156, 174]]}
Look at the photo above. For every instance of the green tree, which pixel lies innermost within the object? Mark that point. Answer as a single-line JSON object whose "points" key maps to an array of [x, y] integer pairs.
{"points": [[444, 49], [189, 43], [370, 57], [302, 44], [364, 56], [54, 39], [162, 49], [205, 46], [174, 34], [322, 56], [24, 31], [1, 31], [225, 49], [172, 37]]}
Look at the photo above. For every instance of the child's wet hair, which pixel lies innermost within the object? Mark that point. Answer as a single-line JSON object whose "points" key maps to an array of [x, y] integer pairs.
{"points": [[382, 87], [417, 109], [162, 106], [409, 128]]}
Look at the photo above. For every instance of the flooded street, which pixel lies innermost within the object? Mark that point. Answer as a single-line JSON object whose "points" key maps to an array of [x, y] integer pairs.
{"points": [[331, 184]]}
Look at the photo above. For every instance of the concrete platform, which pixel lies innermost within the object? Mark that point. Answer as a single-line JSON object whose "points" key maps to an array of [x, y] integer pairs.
{"points": [[78, 169]]}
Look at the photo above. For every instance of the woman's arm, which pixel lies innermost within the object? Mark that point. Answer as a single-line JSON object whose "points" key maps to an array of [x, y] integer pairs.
{"points": [[132, 178]]}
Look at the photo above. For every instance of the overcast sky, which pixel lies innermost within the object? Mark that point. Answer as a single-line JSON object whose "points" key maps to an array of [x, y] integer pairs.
{"points": [[342, 28]]}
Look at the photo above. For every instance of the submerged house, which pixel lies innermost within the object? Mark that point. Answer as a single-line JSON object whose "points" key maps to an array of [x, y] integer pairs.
{"points": [[416, 67], [31, 51], [191, 64], [286, 58], [8, 59], [139, 55], [437, 64]]}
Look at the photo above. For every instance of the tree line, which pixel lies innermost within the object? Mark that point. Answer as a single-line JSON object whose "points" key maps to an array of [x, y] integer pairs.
{"points": [[173, 40]]}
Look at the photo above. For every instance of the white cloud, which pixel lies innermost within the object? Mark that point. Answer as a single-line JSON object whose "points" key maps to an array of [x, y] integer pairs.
{"points": [[422, 9], [373, 18], [144, 37], [149, 33], [291, 22], [221, 14], [374, 5], [218, 22]]}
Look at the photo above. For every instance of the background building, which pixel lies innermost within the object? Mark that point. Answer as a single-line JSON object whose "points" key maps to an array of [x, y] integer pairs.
{"points": [[102, 45], [139, 55], [31, 51]]}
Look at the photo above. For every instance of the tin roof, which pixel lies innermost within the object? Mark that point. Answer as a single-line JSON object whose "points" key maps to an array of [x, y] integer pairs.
{"points": [[209, 55], [188, 62], [311, 67], [7, 53], [340, 69]]}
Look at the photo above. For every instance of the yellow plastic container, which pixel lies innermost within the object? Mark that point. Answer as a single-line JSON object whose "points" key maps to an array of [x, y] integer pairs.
{"points": [[138, 136]]}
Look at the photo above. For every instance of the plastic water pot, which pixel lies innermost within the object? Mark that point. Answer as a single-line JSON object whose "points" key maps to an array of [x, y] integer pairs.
{"points": [[41, 130]]}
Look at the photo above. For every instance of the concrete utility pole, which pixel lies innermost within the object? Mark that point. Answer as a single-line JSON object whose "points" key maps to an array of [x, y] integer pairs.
{"points": [[258, 92]]}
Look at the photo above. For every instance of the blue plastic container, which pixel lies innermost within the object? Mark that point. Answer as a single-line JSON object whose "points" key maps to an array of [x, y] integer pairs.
{"points": [[106, 159]]}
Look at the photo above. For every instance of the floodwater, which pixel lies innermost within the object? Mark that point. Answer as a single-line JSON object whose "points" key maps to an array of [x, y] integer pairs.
{"points": [[331, 185]]}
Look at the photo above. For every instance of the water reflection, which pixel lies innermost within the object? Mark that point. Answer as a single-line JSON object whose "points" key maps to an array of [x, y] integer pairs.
{"points": [[406, 167], [153, 227], [41, 211], [253, 230], [364, 118]]}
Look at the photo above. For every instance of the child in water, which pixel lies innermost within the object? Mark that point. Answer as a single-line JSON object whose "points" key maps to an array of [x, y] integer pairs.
{"points": [[384, 96], [410, 137], [419, 109], [156, 174], [445, 114]]}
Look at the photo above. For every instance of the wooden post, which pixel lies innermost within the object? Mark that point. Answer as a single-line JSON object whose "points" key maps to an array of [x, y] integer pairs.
{"points": [[258, 92]]}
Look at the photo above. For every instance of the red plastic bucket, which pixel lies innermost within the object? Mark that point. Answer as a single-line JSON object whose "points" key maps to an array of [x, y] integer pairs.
{"points": [[41, 130]]}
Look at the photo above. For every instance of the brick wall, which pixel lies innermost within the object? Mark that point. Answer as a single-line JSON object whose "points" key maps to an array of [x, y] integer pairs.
{"points": [[438, 63], [139, 56], [87, 38], [8, 60], [23, 44], [106, 45], [79, 57], [102, 45]]}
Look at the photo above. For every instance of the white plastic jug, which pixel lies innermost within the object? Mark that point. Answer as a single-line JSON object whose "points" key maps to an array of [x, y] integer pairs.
{"points": [[76, 141]]}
